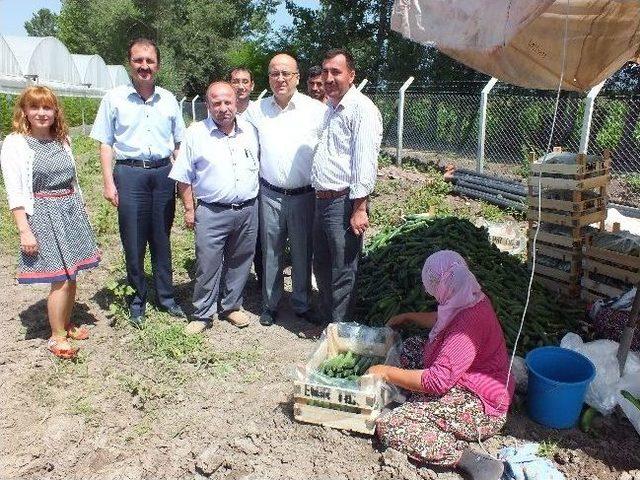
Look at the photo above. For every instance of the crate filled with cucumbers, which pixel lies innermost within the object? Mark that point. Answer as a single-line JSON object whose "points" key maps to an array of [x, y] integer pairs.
{"points": [[333, 389]]}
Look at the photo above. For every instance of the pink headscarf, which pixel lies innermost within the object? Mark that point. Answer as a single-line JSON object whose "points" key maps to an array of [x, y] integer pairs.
{"points": [[446, 277]]}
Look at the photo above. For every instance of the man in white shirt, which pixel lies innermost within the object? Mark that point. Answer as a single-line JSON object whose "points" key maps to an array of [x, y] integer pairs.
{"points": [[288, 125], [241, 79], [315, 85], [141, 127], [343, 175], [218, 164]]}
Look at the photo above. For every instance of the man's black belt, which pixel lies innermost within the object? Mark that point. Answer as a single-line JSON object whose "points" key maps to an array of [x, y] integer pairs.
{"points": [[234, 206], [287, 191], [135, 162]]}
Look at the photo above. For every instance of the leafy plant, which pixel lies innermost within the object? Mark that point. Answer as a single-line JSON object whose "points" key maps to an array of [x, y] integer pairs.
{"points": [[633, 182], [118, 307], [491, 212]]}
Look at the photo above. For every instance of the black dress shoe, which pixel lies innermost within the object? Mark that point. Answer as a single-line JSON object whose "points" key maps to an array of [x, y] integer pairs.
{"points": [[137, 321], [175, 311], [268, 318]]}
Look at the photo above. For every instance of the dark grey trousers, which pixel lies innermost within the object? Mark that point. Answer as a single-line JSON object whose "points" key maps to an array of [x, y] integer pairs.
{"points": [[336, 250], [282, 217], [225, 243]]}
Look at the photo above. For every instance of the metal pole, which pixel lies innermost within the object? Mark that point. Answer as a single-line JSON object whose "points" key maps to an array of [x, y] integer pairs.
{"points": [[262, 94], [588, 115], [627, 333], [362, 84], [403, 89], [482, 124], [193, 108], [181, 104]]}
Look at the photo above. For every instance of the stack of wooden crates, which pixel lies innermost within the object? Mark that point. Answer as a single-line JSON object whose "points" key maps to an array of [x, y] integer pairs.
{"points": [[571, 190]]}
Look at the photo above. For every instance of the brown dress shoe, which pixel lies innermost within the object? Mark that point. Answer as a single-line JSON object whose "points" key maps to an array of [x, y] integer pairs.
{"points": [[237, 318]]}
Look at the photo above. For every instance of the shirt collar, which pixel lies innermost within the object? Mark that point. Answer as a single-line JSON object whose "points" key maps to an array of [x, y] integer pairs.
{"points": [[213, 126], [132, 91], [292, 102], [348, 99]]}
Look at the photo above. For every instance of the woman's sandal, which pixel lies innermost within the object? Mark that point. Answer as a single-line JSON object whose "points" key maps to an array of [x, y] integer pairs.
{"points": [[77, 332], [54, 345]]}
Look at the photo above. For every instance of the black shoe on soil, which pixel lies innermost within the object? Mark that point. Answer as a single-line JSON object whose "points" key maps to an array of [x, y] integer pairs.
{"points": [[480, 466], [268, 318]]}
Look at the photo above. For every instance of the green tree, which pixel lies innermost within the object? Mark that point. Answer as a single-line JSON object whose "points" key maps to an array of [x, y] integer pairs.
{"points": [[199, 40], [363, 27], [43, 23]]}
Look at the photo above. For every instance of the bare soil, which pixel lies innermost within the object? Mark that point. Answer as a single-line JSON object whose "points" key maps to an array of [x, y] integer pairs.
{"points": [[119, 413]]}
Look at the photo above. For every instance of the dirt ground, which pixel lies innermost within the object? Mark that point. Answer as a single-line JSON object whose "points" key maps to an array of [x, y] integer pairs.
{"points": [[128, 408]]}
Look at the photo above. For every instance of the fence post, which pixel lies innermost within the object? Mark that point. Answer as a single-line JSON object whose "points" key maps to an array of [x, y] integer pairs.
{"points": [[362, 84], [589, 102], [193, 108], [403, 89], [181, 105], [482, 124], [262, 94]]}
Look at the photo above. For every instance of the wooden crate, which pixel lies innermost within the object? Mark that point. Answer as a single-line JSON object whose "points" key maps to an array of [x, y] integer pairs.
{"points": [[558, 287], [620, 268], [569, 219], [571, 206], [365, 402], [579, 169]]}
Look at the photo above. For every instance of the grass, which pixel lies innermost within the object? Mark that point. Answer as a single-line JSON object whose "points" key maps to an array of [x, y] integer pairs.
{"points": [[547, 448], [633, 182], [491, 212]]}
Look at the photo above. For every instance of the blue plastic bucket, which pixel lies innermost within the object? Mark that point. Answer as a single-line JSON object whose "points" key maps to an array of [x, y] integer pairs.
{"points": [[558, 381]]}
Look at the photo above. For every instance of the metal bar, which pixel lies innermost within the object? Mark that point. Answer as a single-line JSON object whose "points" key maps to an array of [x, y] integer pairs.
{"points": [[181, 105], [482, 124], [193, 108], [403, 89], [629, 330], [492, 190], [502, 202], [588, 115], [362, 84], [262, 94]]}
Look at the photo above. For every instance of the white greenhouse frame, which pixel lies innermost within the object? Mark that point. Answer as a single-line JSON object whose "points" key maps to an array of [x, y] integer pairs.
{"points": [[46, 61]]}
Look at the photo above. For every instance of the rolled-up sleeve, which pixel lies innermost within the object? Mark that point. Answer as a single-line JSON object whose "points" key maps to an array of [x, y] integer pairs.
{"points": [[103, 127], [454, 358], [178, 124], [365, 147], [182, 170]]}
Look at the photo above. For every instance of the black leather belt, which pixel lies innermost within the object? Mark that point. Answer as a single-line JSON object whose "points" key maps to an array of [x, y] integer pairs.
{"points": [[287, 191], [135, 162], [234, 206]]}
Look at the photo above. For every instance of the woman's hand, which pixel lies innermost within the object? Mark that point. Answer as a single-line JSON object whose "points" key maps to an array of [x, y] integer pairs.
{"points": [[378, 371], [28, 242], [398, 321]]}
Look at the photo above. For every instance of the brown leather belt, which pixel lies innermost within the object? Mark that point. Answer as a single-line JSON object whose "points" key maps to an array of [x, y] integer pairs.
{"points": [[331, 194]]}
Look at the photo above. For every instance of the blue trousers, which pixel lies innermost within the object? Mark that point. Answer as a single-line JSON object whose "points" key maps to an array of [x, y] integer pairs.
{"points": [[145, 213]]}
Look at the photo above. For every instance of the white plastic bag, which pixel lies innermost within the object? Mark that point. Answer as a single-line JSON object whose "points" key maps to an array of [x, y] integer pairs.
{"points": [[604, 392]]}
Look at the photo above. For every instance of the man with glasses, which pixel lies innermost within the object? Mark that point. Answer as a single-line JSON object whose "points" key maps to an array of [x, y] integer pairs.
{"points": [[241, 80], [141, 126], [343, 175], [218, 164], [288, 125]]}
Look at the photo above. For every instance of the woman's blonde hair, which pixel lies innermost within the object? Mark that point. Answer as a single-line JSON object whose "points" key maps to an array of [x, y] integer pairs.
{"points": [[35, 97]]}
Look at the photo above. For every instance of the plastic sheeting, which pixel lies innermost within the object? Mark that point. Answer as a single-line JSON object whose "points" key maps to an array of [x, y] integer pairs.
{"points": [[46, 61], [521, 41]]}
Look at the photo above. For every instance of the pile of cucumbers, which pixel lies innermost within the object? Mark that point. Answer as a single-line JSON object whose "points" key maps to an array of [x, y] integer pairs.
{"points": [[348, 365], [389, 279]]}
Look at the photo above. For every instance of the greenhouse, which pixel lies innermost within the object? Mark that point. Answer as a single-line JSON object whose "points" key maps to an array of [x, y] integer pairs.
{"points": [[47, 61]]}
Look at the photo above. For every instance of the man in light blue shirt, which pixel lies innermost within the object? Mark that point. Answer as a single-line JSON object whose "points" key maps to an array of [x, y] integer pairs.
{"points": [[218, 165], [141, 127]]}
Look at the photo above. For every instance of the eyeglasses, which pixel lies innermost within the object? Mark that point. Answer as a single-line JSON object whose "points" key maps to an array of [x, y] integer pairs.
{"points": [[285, 75]]}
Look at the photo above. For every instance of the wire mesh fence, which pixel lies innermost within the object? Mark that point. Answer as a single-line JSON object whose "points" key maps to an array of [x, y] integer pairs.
{"points": [[443, 123]]}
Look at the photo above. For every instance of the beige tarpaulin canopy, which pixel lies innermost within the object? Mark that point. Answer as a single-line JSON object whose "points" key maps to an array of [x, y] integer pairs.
{"points": [[521, 41]]}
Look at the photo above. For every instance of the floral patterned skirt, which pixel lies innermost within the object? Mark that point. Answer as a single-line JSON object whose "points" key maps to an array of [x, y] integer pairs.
{"points": [[433, 429]]}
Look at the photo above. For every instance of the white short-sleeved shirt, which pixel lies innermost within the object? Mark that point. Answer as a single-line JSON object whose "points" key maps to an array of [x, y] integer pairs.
{"points": [[288, 138], [136, 128], [221, 168]]}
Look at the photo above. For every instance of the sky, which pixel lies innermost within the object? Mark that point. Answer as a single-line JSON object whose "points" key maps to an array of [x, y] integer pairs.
{"points": [[13, 13]]}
